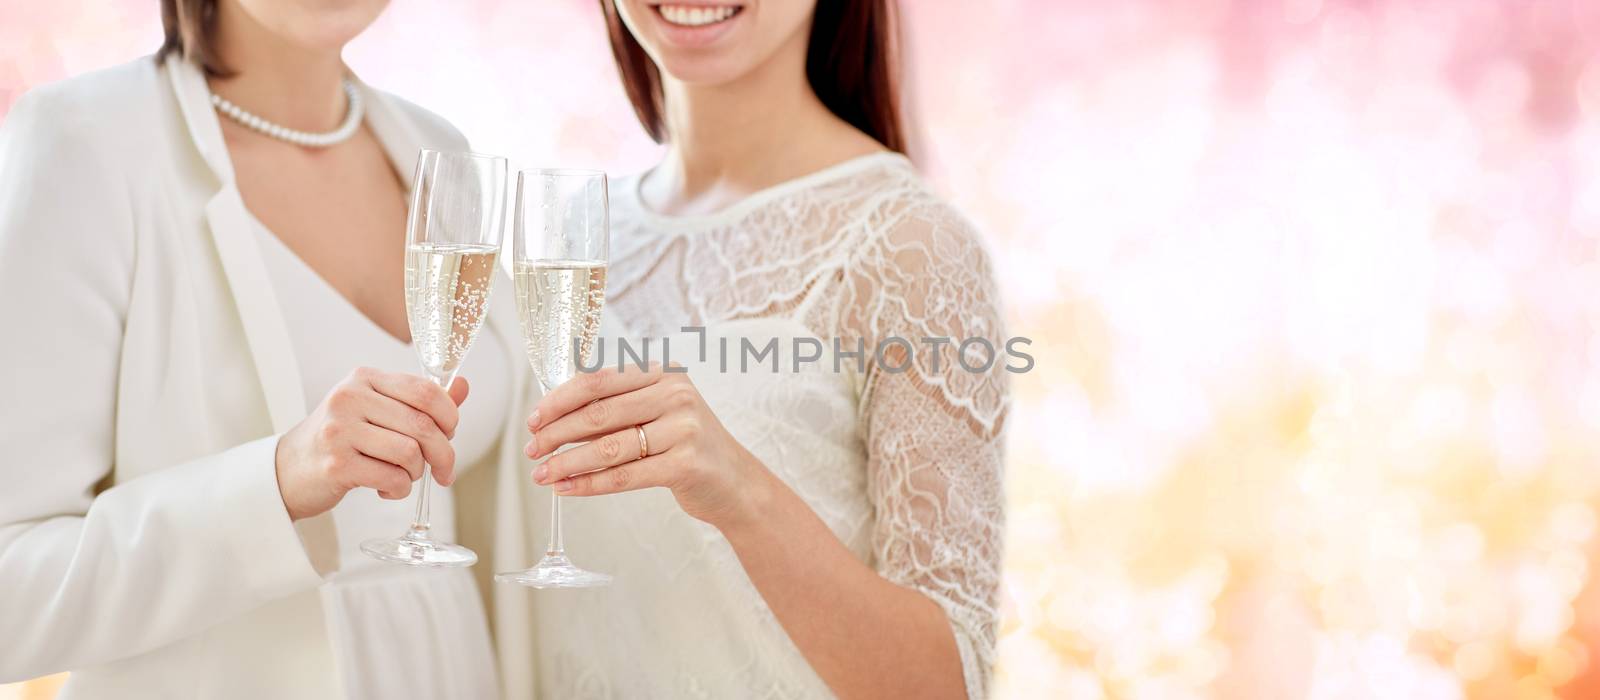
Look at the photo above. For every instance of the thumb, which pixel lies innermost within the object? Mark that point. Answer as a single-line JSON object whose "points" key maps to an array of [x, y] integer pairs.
{"points": [[458, 390]]}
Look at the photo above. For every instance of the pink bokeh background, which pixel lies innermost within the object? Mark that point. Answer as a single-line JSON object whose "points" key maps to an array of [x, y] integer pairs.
{"points": [[1313, 287]]}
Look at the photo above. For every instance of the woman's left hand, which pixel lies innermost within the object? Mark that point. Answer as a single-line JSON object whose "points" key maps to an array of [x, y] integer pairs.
{"points": [[685, 448]]}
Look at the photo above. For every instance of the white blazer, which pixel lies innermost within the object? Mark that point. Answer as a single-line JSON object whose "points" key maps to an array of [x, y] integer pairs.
{"points": [[143, 542]]}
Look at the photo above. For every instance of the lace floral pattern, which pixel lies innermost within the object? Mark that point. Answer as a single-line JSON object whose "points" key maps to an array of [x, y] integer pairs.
{"points": [[859, 251]]}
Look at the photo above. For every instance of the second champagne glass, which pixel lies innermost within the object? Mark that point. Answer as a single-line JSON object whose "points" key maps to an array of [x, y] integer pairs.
{"points": [[452, 240], [559, 246]]}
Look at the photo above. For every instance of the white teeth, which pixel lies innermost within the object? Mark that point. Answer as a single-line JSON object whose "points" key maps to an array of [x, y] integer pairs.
{"points": [[695, 16]]}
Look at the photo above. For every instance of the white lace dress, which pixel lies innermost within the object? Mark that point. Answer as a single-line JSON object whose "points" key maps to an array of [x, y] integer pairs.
{"points": [[905, 467]]}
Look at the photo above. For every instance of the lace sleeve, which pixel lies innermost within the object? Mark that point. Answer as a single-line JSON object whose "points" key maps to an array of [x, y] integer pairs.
{"points": [[933, 431]]}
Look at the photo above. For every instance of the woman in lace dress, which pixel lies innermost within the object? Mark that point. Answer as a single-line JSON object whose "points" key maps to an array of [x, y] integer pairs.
{"points": [[826, 523]]}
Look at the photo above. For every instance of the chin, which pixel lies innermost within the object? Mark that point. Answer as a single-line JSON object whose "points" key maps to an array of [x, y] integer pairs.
{"points": [[328, 36], [334, 29], [321, 25], [708, 42], [703, 70]]}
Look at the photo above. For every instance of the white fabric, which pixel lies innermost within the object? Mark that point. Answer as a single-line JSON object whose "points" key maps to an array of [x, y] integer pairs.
{"points": [[143, 543], [397, 632], [905, 468]]}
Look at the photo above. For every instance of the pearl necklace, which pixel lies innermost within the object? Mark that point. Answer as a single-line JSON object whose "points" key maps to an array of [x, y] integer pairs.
{"points": [[352, 121]]}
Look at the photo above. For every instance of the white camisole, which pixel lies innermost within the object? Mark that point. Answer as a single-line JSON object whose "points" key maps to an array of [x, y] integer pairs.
{"points": [[397, 632]]}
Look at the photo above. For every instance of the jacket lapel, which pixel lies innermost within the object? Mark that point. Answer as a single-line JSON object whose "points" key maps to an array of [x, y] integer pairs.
{"points": [[264, 329], [399, 136]]}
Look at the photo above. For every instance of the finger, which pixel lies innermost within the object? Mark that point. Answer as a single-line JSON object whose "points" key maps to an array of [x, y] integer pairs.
{"points": [[389, 446], [608, 450], [391, 482], [458, 390], [589, 386], [420, 394], [390, 414], [602, 417], [649, 472]]}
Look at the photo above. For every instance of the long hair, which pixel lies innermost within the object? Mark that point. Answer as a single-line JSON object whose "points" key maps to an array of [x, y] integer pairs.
{"points": [[851, 59], [190, 28]]}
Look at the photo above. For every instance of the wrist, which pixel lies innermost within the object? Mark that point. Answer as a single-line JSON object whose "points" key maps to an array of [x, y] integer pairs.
{"points": [[280, 469], [759, 497]]}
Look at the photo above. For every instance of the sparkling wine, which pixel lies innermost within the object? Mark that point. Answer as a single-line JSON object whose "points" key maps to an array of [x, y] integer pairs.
{"points": [[560, 300], [447, 292]]}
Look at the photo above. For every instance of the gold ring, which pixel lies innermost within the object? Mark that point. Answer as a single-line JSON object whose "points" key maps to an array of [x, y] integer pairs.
{"points": [[644, 445]]}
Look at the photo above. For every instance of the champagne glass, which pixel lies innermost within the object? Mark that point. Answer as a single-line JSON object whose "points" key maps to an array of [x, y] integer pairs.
{"points": [[559, 250], [452, 239]]}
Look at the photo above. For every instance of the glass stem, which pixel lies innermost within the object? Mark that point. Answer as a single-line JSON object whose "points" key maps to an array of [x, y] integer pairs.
{"points": [[555, 549], [419, 524]]}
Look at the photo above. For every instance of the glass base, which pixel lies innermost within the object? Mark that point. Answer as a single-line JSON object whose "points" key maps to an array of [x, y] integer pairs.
{"points": [[417, 549], [554, 571]]}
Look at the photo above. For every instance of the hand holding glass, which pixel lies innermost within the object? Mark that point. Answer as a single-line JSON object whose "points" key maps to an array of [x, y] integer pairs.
{"points": [[452, 239], [559, 250]]}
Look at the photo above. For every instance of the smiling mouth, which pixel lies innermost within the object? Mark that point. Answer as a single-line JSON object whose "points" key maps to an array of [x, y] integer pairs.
{"points": [[697, 15]]}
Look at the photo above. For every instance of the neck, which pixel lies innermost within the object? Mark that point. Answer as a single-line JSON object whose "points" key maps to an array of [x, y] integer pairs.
{"points": [[284, 83], [734, 138], [730, 133]]}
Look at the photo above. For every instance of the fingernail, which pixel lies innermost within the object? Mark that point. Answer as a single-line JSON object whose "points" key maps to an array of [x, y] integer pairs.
{"points": [[563, 486], [533, 420], [540, 474], [530, 449]]}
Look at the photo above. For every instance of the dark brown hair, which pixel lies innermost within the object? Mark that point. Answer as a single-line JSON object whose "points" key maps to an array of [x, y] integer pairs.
{"points": [[190, 27], [850, 62]]}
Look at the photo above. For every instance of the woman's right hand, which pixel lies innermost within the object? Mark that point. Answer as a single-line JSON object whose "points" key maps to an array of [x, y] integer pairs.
{"points": [[375, 429]]}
